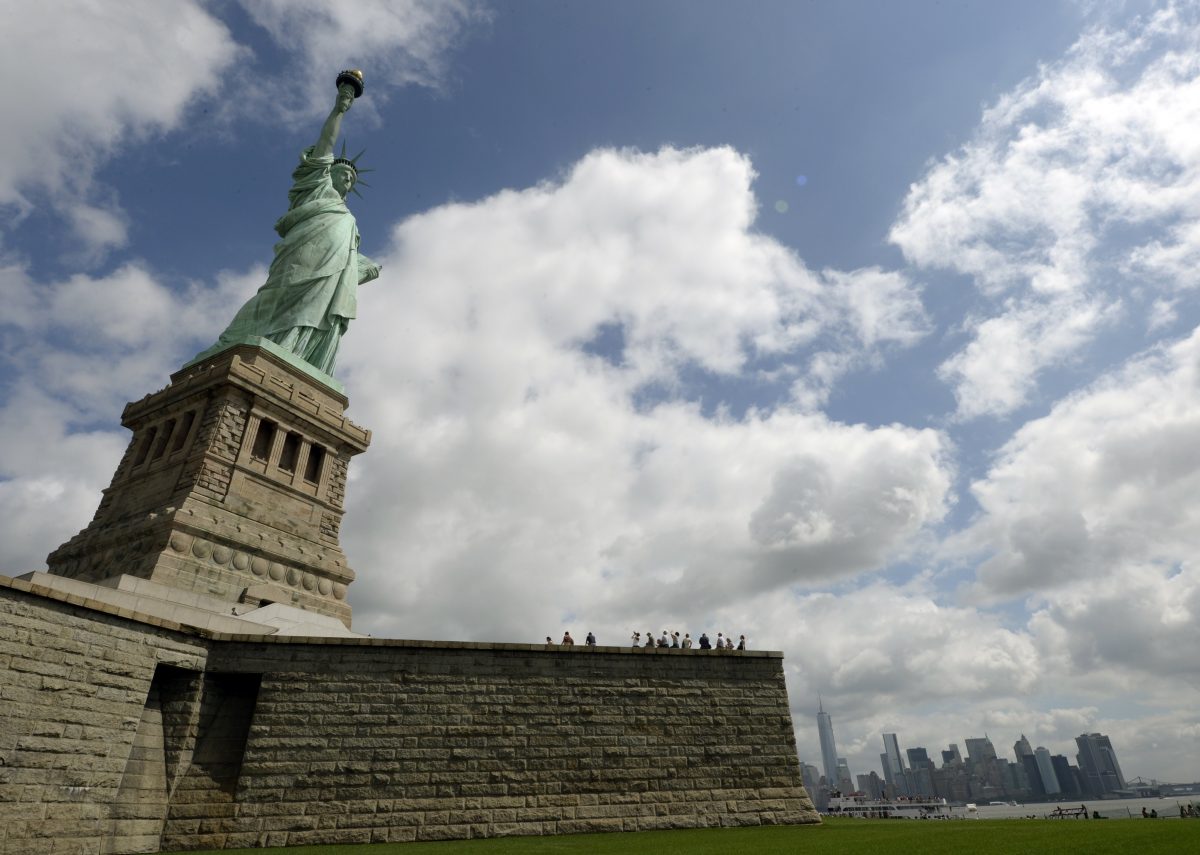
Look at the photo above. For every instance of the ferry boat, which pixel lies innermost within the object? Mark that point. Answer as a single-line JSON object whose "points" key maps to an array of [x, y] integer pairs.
{"points": [[913, 807]]}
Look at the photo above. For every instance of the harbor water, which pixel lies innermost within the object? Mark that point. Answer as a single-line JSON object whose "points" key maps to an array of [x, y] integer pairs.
{"points": [[1168, 808]]}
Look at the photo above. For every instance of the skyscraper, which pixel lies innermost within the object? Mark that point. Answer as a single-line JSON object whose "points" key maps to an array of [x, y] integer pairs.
{"points": [[918, 758], [844, 782], [1046, 770], [951, 757], [893, 764], [828, 746], [811, 778], [920, 772], [1068, 775], [980, 750], [1022, 748], [871, 786], [1098, 763], [1033, 775]]}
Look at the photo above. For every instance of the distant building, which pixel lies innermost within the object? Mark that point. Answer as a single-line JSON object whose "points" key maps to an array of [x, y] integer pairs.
{"points": [[1033, 774], [893, 765], [1015, 783], [918, 758], [811, 776], [980, 751], [951, 757], [1022, 748], [871, 785], [828, 746], [1098, 763], [920, 772], [844, 782], [1069, 779], [951, 782], [1046, 769]]}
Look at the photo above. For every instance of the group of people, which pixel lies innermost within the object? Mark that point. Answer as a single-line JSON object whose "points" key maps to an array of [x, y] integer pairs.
{"points": [[672, 639], [567, 641], [1185, 812], [667, 639]]}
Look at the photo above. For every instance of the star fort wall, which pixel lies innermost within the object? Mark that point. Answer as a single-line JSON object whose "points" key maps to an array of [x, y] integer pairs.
{"points": [[186, 677]]}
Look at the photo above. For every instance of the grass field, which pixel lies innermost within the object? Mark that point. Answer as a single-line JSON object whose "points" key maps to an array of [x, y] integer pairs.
{"points": [[857, 836]]}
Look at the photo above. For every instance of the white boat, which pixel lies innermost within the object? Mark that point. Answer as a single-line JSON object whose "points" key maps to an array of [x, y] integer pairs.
{"points": [[914, 807]]}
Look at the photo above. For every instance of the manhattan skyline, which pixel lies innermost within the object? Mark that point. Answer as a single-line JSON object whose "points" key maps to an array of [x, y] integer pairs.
{"points": [[1090, 770], [868, 330]]}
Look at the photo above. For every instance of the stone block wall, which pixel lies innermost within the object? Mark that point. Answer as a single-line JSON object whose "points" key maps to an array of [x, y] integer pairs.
{"points": [[118, 735], [397, 742], [77, 726]]}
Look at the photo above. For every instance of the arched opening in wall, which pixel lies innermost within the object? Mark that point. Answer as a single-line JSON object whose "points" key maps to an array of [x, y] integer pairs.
{"points": [[263, 440], [290, 453]]}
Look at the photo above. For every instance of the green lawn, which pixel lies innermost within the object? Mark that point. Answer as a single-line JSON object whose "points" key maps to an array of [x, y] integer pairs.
{"points": [[858, 836]]}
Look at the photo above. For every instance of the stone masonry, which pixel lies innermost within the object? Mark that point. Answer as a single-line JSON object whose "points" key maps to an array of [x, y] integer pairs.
{"points": [[232, 486], [121, 733]]}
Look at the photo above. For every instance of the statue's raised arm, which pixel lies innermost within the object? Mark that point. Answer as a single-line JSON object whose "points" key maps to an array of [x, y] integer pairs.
{"points": [[311, 292], [333, 125]]}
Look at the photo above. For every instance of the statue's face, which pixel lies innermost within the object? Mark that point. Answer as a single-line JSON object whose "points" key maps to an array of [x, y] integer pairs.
{"points": [[342, 178]]}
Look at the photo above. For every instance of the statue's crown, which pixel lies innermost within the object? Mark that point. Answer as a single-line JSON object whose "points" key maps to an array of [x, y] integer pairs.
{"points": [[352, 162]]}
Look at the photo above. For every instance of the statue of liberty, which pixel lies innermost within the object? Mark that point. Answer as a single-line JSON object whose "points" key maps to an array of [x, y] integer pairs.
{"points": [[311, 292]]}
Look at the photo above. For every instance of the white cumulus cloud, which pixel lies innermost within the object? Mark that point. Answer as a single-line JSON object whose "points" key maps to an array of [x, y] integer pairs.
{"points": [[82, 81], [1079, 188], [518, 462], [1105, 482]]}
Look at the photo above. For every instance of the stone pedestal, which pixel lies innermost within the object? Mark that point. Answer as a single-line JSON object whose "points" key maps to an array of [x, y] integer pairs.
{"points": [[232, 487]]}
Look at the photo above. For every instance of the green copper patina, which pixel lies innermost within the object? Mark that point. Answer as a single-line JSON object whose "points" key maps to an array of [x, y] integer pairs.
{"points": [[311, 292]]}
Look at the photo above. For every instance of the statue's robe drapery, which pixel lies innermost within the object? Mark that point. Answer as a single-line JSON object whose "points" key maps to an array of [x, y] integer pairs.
{"points": [[311, 292]]}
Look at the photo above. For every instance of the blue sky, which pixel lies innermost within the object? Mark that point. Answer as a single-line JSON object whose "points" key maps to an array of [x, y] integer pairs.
{"points": [[866, 329]]}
